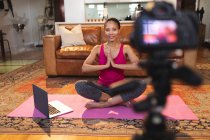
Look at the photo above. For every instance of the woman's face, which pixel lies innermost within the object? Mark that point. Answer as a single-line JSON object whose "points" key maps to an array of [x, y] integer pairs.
{"points": [[111, 31]]}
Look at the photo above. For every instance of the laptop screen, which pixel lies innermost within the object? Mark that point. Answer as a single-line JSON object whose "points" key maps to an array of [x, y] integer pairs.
{"points": [[41, 100]]}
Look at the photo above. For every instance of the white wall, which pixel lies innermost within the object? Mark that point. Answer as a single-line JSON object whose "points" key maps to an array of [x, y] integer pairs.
{"points": [[206, 4], [36, 8], [26, 10], [74, 11]]}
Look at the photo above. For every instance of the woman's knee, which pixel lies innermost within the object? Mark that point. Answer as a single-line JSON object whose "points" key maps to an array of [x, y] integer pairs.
{"points": [[134, 94], [84, 89], [80, 86], [140, 90]]}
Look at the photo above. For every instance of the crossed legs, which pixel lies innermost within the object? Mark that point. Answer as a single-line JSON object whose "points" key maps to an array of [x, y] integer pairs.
{"points": [[101, 96]]}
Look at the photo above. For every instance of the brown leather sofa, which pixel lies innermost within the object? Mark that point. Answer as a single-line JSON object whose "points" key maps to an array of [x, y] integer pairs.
{"points": [[69, 63]]}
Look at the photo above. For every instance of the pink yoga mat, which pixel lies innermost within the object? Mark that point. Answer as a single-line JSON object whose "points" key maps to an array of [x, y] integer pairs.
{"points": [[175, 109]]}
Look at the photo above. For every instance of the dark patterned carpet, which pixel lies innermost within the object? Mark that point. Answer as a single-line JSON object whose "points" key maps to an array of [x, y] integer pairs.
{"points": [[15, 88]]}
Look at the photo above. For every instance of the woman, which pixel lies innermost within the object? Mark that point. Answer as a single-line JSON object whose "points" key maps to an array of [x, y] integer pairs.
{"points": [[112, 63]]}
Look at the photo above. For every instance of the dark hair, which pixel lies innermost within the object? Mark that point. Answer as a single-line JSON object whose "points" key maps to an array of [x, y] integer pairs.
{"points": [[114, 20]]}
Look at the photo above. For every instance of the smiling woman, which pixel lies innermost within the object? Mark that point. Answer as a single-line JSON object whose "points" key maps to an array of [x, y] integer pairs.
{"points": [[111, 65]]}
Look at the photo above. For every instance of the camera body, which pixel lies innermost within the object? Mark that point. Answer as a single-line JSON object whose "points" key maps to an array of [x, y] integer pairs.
{"points": [[158, 31], [160, 27]]}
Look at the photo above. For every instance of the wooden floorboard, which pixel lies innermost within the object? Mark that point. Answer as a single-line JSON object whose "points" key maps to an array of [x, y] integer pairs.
{"points": [[69, 137]]}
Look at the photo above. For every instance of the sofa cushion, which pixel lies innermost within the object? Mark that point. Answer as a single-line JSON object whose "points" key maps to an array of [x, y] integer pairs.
{"points": [[92, 35], [72, 37], [125, 33], [74, 52]]}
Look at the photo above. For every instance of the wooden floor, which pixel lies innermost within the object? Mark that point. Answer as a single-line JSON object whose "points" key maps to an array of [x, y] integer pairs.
{"points": [[203, 55], [68, 137], [58, 137], [15, 61]]}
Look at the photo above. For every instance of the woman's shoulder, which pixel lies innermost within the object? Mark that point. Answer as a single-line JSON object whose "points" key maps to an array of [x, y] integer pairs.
{"points": [[96, 48], [127, 47]]}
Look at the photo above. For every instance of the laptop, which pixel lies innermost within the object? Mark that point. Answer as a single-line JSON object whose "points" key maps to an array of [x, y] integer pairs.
{"points": [[49, 109]]}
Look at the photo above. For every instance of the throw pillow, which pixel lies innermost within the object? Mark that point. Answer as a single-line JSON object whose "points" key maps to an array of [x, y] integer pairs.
{"points": [[71, 38]]}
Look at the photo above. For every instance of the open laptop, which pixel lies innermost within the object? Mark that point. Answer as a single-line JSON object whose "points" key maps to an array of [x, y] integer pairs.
{"points": [[49, 109]]}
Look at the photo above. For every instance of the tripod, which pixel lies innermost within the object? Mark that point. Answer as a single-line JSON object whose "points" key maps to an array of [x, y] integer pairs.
{"points": [[162, 71]]}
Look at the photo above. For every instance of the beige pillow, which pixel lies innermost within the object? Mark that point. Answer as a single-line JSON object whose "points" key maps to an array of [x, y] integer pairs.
{"points": [[71, 38]]}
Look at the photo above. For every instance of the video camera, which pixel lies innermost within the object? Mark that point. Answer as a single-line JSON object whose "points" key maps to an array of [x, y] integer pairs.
{"points": [[158, 31], [160, 27]]}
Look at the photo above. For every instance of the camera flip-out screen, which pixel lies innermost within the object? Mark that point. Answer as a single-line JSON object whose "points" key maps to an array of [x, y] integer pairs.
{"points": [[163, 28], [157, 32]]}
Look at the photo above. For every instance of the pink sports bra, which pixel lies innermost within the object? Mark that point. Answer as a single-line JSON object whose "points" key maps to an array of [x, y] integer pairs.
{"points": [[111, 75]]}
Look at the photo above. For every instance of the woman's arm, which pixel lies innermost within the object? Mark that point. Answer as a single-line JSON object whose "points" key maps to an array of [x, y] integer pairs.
{"points": [[132, 57], [88, 63]]}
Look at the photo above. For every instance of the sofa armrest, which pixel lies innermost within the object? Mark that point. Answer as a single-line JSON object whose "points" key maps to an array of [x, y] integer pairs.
{"points": [[50, 44]]}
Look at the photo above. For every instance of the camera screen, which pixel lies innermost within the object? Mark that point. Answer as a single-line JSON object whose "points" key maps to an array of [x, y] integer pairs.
{"points": [[159, 32]]}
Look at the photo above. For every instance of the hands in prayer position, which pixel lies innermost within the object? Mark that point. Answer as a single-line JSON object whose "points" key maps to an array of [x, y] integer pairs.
{"points": [[110, 61]]}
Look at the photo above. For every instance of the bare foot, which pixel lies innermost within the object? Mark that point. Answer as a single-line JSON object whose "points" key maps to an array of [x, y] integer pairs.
{"points": [[129, 103], [94, 104]]}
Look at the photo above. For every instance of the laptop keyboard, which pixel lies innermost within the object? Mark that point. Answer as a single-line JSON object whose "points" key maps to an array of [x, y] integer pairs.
{"points": [[52, 110]]}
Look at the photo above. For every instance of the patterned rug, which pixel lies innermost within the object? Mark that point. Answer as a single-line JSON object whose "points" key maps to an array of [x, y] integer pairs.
{"points": [[15, 88]]}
